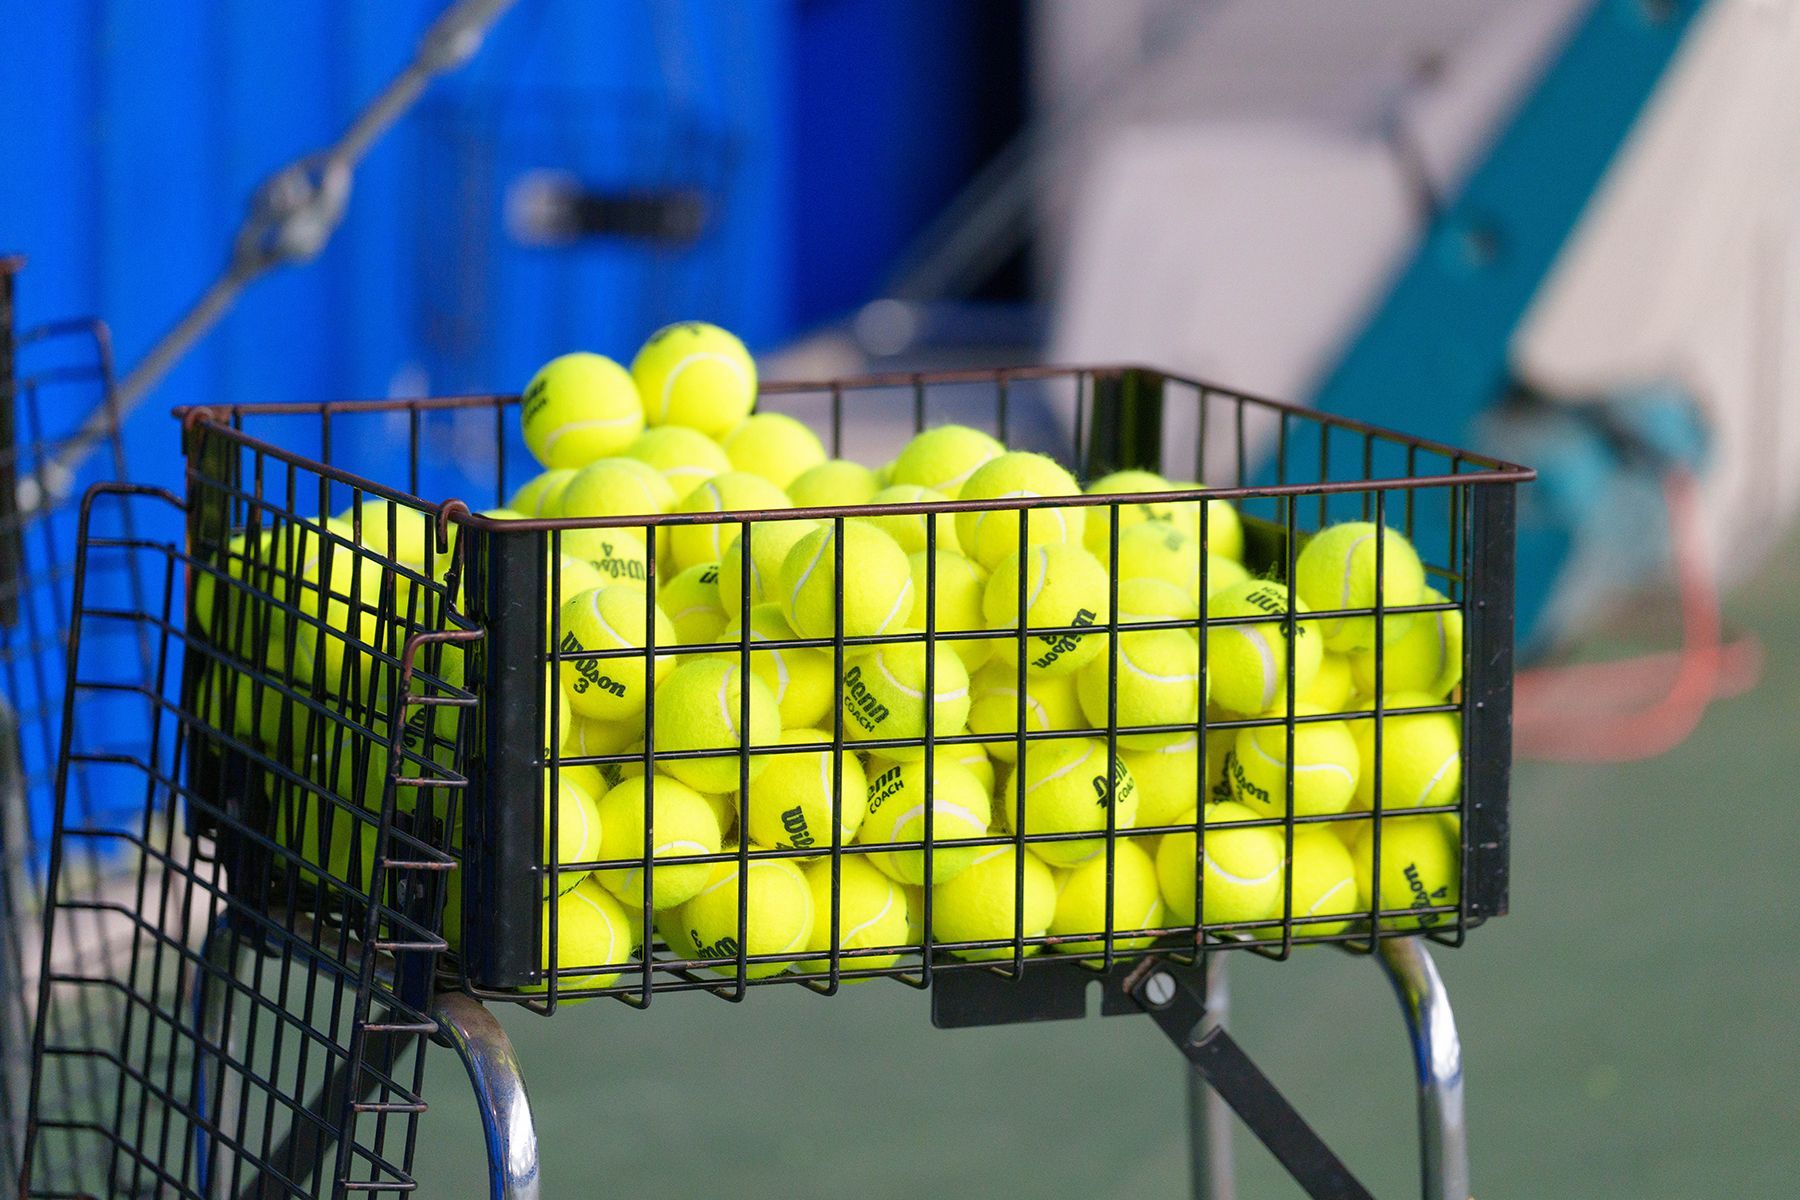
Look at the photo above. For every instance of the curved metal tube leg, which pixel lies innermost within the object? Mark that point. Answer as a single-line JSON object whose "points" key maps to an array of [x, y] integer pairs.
{"points": [[1437, 1060], [1209, 1117], [471, 1030]]}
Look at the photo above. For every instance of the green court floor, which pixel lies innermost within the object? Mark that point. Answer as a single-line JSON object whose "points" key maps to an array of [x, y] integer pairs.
{"points": [[1630, 1030]]}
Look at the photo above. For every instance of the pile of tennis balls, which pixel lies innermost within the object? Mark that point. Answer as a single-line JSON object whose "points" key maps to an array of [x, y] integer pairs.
{"points": [[677, 432]]}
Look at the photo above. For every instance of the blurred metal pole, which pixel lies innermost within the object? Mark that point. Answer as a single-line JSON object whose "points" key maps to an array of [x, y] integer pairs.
{"points": [[1437, 1060], [1209, 1117]]}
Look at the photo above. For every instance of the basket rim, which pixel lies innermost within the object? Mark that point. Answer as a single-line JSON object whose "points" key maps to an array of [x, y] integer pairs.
{"points": [[221, 419]]}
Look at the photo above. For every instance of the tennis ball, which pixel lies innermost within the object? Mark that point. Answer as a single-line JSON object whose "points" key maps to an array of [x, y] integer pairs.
{"points": [[573, 576], [1137, 901], [578, 828], [698, 707], [541, 495], [1247, 664], [957, 585], [723, 805], [584, 738], [697, 375], [1427, 658], [1098, 535], [1336, 569], [871, 913], [1324, 884], [800, 677], [386, 530], [1158, 683], [579, 407], [1326, 767], [988, 536], [615, 487], [612, 618], [684, 457], [770, 542], [877, 591], [1141, 601], [1169, 779], [832, 483], [1421, 756], [1421, 867], [1332, 687], [1242, 872], [591, 931], [1157, 550], [334, 838], [908, 529], [691, 600], [1063, 587], [967, 755], [775, 902], [685, 826], [773, 445], [898, 798], [885, 696], [1069, 789], [981, 904], [944, 458], [734, 491], [1050, 703], [791, 801]]}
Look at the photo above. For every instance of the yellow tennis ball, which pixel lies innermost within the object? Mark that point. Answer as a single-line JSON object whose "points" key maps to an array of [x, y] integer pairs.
{"points": [[776, 905], [800, 677], [1421, 756], [1098, 535], [770, 542], [691, 600], [592, 931], [1242, 869], [1427, 658], [1141, 601], [871, 914], [877, 592], [697, 375], [542, 493], [1064, 588], [1169, 780], [967, 755], [1156, 550], [699, 707], [685, 826], [1050, 704], [579, 407], [573, 577], [1324, 884], [619, 617], [1332, 687], [723, 804], [791, 802], [584, 738], [1068, 788], [981, 904], [577, 821], [987, 535], [1157, 682], [615, 487], [1421, 868], [908, 529], [773, 445], [685, 457], [944, 458], [1247, 664], [885, 695], [734, 491], [1326, 767], [1336, 570], [1137, 901], [833, 483], [957, 585], [898, 799]]}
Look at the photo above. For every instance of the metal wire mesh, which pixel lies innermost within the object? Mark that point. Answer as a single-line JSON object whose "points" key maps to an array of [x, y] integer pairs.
{"points": [[53, 377], [1286, 473]]}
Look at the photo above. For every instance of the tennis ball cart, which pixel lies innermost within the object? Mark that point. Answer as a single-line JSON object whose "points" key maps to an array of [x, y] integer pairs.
{"points": [[355, 811]]}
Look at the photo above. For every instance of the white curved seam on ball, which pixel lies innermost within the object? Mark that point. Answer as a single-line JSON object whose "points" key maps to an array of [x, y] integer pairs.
{"points": [[902, 606], [1455, 759], [556, 434], [800, 583], [725, 703], [1350, 569], [1281, 765], [686, 361], [845, 936], [1212, 864], [1061, 771], [1125, 659], [1313, 911], [1271, 678]]}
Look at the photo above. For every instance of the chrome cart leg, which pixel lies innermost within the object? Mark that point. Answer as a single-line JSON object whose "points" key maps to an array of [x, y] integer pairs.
{"points": [[487, 1053], [1437, 1060], [1209, 1117]]}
